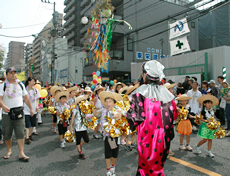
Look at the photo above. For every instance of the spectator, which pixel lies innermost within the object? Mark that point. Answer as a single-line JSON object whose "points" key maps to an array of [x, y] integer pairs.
{"points": [[180, 88], [221, 110], [226, 96], [194, 78], [214, 88], [186, 84], [12, 95], [193, 103], [205, 87], [190, 81]]}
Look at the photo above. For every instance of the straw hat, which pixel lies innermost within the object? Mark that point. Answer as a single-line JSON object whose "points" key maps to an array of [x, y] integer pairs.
{"points": [[225, 82], [212, 98], [169, 86], [54, 89], [87, 89], [184, 97], [60, 94], [123, 89], [38, 82], [98, 88], [105, 94], [131, 89], [80, 98], [72, 89], [119, 83]]}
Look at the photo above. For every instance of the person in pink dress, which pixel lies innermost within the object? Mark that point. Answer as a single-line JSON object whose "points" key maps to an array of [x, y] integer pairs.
{"points": [[152, 111]]}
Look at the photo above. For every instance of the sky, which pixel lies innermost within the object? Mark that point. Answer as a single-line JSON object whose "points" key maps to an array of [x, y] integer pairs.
{"points": [[17, 13]]}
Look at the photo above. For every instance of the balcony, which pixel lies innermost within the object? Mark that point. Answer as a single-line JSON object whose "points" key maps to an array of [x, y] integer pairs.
{"points": [[85, 28], [71, 35], [87, 10], [69, 13], [69, 29], [66, 2], [116, 54], [85, 3], [69, 21], [71, 43], [82, 39], [71, 3]]}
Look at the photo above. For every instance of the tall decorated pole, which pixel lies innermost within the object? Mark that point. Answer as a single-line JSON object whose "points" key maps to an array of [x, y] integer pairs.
{"points": [[224, 73]]}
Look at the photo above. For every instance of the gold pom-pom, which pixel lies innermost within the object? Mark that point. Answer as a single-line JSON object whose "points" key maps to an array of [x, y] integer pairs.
{"points": [[69, 137], [52, 110], [219, 134]]}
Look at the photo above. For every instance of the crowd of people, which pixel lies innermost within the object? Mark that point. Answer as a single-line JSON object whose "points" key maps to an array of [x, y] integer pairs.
{"points": [[153, 108]]}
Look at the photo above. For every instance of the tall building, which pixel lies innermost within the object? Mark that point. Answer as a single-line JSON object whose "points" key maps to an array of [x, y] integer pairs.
{"points": [[37, 45], [15, 56], [28, 59]]}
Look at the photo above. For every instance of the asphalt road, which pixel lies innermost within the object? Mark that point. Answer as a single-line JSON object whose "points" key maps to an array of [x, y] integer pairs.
{"points": [[46, 158]]}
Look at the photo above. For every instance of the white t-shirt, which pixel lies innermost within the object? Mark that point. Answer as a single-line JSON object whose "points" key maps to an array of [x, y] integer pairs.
{"points": [[37, 95], [17, 101], [193, 103]]}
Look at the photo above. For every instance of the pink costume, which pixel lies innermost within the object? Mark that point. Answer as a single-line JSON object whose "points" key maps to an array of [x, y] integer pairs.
{"points": [[152, 110]]}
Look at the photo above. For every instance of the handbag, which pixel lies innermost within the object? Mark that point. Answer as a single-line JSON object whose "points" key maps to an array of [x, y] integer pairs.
{"points": [[16, 113], [223, 103]]}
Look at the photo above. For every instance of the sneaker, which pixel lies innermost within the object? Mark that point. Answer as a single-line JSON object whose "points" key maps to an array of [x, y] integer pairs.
{"points": [[209, 153], [63, 140], [171, 153], [194, 128], [228, 134], [82, 156], [197, 149], [109, 173], [112, 170], [128, 148], [95, 136], [27, 141], [62, 145], [31, 138], [189, 148], [54, 130], [182, 147], [134, 145], [123, 142]]}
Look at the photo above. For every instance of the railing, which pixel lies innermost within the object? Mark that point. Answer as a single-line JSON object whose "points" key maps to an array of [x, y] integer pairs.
{"points": [[69, 13], [69, 21], [85, 3], [72, 2], [68, 30]]}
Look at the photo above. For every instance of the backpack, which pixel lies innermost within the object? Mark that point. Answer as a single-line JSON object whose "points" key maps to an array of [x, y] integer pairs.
{"points": [[4, 87]]}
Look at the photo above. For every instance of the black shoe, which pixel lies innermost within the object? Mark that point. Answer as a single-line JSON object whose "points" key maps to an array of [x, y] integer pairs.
{"points": [[82, 156], [128, 148], [31, 138], [27, 141]]}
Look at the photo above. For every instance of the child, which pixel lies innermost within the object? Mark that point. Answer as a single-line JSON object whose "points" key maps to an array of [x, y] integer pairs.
{"points": [[184, 126], [54, 91], [109, 100], [79, 127], [61, 99], [208, 102]]}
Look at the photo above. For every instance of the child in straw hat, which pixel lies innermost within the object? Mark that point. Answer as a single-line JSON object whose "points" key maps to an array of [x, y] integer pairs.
{"points": [[109, 100], [54, 91], [184, 126], [204, 132], [61, 99], [78, 126]]}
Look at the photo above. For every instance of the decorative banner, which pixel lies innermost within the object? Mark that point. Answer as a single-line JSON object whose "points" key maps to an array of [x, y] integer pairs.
{"points": [[179, 46], [224, 73], [178, 28], [21, 76], [105, 68]]}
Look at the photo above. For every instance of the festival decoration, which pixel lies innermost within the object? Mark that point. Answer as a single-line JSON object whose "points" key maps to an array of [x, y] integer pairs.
{"points": [[213, 125], [98, 38], [43, 93], [37, 86], [219, 134], [111, 82], [52, 110], [69, 137], [84, 20], [183, 114], [64, 116], [40, 104]]}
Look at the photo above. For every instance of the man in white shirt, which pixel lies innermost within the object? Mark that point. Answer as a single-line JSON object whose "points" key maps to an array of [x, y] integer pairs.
{"points": [[193, 103], [12, 94]]}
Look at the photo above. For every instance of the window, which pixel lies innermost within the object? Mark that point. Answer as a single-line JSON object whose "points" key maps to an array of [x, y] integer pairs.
{"points": [[129, 44]]}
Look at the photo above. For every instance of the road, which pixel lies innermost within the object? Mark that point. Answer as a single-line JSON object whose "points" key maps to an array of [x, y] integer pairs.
{"points": [[46, 158]]}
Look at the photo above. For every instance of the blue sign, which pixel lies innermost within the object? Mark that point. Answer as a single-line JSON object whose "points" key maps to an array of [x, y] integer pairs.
{"points": [[153, 50], [162, 56], [139, 55], [63, 73], [160, 51], [157, 50], [147, 56], [155, 56], [148, 50]]}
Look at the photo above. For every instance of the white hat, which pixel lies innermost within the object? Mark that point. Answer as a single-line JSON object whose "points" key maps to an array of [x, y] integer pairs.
{"points": [[87, 89], [154, 69]]}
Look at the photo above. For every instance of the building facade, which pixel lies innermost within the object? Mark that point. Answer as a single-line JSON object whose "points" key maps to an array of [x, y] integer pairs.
{"points": [[15, 56], [28, 60], [37, 46]]}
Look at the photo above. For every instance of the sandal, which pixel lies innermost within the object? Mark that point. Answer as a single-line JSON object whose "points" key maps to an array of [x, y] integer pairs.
{"points": [[35, 133], [7, 156], [25, 159]]}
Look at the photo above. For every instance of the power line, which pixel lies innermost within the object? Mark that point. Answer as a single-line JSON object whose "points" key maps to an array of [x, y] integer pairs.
{"points": [[24, 26], [15, 36]]}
